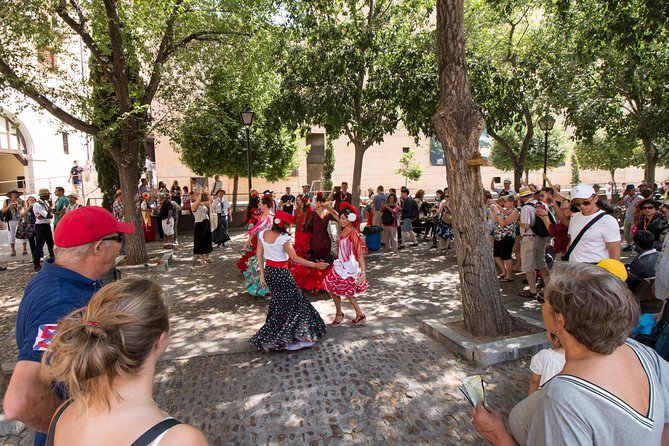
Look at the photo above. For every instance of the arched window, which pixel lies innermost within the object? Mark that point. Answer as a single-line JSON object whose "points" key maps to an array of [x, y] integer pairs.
{"points": [[11, 137]]}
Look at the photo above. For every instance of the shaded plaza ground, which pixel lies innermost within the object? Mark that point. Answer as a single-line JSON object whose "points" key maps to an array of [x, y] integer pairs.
{"points": [[385, 382]]}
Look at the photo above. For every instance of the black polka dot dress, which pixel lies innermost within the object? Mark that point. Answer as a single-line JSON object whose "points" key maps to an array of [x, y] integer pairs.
{"points": [[291, 318]]}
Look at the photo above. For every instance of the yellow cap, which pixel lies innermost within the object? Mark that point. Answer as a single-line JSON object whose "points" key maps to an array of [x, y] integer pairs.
{"points": [[615, 267]]}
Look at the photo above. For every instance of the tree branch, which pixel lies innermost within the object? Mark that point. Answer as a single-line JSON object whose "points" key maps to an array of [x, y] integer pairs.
{"points": [[503, 144], [118, 57], [80, 28], [32, 92]]}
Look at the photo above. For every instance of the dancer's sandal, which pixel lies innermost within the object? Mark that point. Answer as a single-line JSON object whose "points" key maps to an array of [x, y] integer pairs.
{"points": [[336, 322], [358, 319]]}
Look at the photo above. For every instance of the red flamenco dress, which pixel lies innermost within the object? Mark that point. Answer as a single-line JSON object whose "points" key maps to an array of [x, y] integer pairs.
{"points": [[342, 276], [309, 279], [254, 218]]}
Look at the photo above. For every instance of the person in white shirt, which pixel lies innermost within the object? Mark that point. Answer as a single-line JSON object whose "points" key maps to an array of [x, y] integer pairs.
{"points": [[546, 364], [43, 234], [218, 185], [149, 168], [602, 239], [502, 191]]}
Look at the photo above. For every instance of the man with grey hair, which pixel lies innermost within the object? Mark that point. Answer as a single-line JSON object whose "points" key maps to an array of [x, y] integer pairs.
{"points": [[87, 243]]}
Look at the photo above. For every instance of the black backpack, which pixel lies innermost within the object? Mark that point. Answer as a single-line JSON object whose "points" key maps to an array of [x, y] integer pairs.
{"points": [[387, 217], [414, 208], [538, 227]]}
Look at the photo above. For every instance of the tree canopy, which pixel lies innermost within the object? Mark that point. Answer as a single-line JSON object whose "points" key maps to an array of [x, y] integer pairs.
{"points": [[603, 152]]}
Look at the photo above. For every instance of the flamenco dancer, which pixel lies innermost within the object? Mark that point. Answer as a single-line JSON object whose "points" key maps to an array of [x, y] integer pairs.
{"points": [[347, 276], [251, 275], [252, 216], [147, 225], [306, 278], [292, 322], [321, 243]]}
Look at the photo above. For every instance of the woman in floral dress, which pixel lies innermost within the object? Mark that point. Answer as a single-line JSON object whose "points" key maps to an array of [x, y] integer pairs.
{"points": [[251, 275]]}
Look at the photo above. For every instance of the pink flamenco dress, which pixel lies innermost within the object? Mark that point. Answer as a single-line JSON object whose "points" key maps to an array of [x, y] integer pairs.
{"points": [[345, 271], [309, 279], [251, 250]]}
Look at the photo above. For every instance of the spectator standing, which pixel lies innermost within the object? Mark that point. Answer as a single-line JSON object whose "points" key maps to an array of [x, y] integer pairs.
{"points": [[26, 228], [59, 205], [218, 185], [117, 207], [175, 192], [410, 212], [166, 216], [558, 229], [144, 187], [186, 198], [532, 246], [630, 201], [107, 355], [390, 212], [76, 177], [43, 234], [643, 265], [87, 244], [505, 189], [652, 220], [599, 241], [176, 207], [444, 231], [220, 236], [379, 199], [202, 230], [72, 204], [287, 203], [149, 169], [11, 212], [505, 218]]}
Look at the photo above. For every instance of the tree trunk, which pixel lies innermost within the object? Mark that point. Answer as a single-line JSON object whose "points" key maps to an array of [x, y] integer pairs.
{"points": [[527, 177], [650, 158], [458, 124], [357, 172], [517, 176], [128, 161], [235, 191]]}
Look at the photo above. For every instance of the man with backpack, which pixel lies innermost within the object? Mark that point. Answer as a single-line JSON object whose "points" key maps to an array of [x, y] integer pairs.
{"points": [[533, 244], [409, 214]]}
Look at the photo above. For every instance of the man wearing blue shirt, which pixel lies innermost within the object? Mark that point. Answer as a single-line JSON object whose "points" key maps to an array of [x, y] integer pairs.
{"points": [[87, 242]]}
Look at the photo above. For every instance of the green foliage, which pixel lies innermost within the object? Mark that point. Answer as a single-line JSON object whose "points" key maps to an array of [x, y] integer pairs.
{"points": [[557, 151], [328, 164], [609, 69], [604, 152], [409, 167], [342, 67], [575, 173]]}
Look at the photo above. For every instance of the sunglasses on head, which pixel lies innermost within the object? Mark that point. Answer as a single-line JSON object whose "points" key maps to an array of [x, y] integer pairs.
{"points": [[118, 237]]}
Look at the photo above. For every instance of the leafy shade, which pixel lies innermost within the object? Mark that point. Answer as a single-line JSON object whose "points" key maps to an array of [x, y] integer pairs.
{"points": [[557, 151], [213, 142], [608, 153], [328, 164]]}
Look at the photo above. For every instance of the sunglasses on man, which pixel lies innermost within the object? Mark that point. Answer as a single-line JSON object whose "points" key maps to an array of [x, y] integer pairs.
{"points": [[647, 207], [118, 237]]}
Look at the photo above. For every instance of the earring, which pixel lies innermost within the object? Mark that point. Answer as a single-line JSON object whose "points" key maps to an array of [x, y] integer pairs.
{"points": [[557, 332]]}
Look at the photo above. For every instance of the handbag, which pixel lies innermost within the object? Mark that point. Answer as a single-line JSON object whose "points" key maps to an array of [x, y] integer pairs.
{"points": [[447, 218], [25, 229], [565, 257]]}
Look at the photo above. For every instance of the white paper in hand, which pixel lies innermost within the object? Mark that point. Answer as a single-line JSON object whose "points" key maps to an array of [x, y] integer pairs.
{"points": [[472, 388]]}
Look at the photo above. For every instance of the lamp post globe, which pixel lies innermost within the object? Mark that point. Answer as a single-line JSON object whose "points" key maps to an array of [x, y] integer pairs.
{"points": [[546, 123], [246, 116]]}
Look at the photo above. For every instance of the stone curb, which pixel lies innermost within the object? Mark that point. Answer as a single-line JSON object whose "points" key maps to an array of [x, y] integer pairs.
{"points": [[490, 353]]}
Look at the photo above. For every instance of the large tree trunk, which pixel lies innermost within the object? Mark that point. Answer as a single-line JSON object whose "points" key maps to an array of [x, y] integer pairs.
{"points": [[128, 161], [235, 191], [458, 125], [357, 173], [517, 176], [650, 159]]}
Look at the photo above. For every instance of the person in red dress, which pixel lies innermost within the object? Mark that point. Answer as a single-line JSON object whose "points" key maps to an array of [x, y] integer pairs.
{"points": [[306, 278], [321, 243], [347, 275]]}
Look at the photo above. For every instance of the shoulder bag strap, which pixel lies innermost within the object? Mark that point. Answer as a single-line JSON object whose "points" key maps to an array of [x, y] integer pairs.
{"points": [[54, 421], [147, 437], [580, 234]]}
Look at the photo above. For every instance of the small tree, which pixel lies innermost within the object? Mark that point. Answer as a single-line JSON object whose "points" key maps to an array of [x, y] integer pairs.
{"points": [[575, 174], [604, 152], [409, 168], [328, 164]]}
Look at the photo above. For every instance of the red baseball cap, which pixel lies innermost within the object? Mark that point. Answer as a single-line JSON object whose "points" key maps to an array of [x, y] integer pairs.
{"points": [[88, 224]]}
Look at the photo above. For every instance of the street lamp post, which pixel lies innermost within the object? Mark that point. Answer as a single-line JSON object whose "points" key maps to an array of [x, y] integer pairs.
{"points": [[246, 116], [546, 123]]}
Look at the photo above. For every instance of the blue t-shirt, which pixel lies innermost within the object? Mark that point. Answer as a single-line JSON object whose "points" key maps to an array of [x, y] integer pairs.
{"points": [[378, 199], [52, 294]]}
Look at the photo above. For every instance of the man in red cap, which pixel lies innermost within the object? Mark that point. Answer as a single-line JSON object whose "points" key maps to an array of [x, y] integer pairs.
{"points": [[87, 242]]}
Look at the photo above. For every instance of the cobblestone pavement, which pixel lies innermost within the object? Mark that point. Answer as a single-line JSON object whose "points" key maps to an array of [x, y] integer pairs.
{"points": [[381, 383]]}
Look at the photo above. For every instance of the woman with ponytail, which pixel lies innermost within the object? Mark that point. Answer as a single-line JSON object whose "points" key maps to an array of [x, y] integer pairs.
{"points": [[105, 355]]}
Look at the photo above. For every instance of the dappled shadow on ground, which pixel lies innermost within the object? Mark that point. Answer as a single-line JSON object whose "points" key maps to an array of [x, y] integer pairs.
{"points": [[399, 387]]}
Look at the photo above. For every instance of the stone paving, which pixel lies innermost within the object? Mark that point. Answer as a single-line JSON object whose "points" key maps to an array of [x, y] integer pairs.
{"points": [[382, 383]]}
